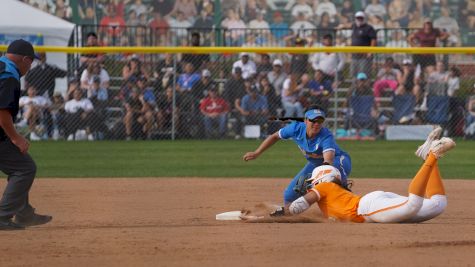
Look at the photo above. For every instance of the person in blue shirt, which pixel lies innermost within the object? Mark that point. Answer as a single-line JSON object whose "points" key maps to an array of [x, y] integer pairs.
{"points": [[316, 143], [254, 107]]}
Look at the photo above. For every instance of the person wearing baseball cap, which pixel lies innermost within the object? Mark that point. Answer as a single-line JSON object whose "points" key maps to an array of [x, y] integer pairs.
{"points": [[14, 158], [316, 143]]}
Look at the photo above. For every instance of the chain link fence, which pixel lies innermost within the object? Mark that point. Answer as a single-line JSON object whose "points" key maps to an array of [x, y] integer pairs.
{"points": [[230, 96]]}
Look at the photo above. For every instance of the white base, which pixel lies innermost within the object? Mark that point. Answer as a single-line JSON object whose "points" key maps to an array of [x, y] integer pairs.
{"points": [[229, 216]]}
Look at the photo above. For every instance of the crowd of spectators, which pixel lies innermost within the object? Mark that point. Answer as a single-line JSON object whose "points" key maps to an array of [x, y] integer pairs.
{"points": [[198, 98]]}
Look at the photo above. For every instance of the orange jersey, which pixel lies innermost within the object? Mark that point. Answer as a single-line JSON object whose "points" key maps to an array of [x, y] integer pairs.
{"points": [[336, 202]]}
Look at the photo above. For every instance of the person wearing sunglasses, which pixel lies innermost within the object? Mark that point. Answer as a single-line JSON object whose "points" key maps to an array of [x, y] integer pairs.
{"points": [[317, 145], [14, 158]]}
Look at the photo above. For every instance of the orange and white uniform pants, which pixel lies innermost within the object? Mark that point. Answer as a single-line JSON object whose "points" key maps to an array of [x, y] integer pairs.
{"points": [[388, 207]]}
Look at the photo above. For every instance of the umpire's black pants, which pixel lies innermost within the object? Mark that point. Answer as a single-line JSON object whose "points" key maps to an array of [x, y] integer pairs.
{"points": [[21, 170]]}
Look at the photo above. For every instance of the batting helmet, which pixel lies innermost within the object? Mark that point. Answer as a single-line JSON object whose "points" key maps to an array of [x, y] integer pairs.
{"points": [[325, 174]]}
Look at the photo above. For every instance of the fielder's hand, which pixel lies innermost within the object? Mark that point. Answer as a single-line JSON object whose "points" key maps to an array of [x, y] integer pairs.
{"points": [[21, 143], [250, 156]]}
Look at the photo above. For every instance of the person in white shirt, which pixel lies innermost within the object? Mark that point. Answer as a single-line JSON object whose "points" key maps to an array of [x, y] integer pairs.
{"points": [[302, 27], [450, 25], [247, 66], [260, 27], [91, 73], [277, 76], [33, 110], [180, 26], [328, 7], [304, 8], [375, 9], [78, 116], [290, 98], [328, 63]]}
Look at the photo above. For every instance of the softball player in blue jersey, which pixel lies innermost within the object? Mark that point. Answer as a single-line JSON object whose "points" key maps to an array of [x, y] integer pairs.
{"points": [[317, 145]]}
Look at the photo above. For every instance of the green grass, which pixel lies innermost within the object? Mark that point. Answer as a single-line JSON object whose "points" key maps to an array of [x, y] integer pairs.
{"points": [[182, 158]]}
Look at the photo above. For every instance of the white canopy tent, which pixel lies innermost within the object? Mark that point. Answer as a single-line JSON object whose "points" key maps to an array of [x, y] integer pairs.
{"points": [[18, 19]]}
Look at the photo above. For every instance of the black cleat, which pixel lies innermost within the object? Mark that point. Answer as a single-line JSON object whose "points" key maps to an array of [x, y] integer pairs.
{"points": [[8, 225], [33, 219]]}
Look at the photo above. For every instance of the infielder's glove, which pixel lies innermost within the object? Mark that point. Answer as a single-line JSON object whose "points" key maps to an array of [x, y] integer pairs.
{"points": [[302, 185]]}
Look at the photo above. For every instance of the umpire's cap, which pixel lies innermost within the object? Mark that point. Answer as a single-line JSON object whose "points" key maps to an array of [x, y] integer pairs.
{"points": [[22, 48]]}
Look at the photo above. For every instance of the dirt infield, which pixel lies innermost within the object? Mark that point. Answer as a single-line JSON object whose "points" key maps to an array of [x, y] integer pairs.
{"points": [[171, 222]]}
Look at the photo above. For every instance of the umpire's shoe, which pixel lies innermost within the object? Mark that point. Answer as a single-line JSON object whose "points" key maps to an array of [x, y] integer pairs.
{"points": [[32, 219], [6, 224]]}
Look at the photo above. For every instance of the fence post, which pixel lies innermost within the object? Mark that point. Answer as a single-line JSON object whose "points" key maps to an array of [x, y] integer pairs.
{"points": [[335, 103], [174, 96]]}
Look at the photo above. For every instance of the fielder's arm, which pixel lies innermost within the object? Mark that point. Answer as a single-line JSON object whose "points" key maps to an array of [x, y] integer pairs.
{"points": [[329, 157], [268, 142]]}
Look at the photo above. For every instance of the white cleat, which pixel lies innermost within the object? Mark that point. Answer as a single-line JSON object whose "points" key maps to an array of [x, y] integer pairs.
{"points": [[424, 149], [440, 147]]}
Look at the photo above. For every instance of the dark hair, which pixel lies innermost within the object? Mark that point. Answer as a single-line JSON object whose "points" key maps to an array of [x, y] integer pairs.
{"points": [[314, 106], [328, 36], [456, 71], [89, 34]]}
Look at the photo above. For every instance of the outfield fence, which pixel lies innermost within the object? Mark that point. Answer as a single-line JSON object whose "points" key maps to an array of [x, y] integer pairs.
{"points": [[221, 92]]}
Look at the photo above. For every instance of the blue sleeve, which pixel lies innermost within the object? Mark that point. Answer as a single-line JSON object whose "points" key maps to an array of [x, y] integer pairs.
{"points": [[265, 105], [288, 131], [328, 143], [245, 102]]}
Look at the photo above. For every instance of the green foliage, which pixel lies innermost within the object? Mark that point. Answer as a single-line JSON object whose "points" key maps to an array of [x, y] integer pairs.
{"points": [[380, 159]]}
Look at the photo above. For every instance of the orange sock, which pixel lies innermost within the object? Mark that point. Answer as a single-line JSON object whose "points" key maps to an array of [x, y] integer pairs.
{"points": [[419, 182], [435, 185]]}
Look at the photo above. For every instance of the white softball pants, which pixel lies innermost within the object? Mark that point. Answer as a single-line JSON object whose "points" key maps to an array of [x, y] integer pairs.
{"points": [[388, 207]]}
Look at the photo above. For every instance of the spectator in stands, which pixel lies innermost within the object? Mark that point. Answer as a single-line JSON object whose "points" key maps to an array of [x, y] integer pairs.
{"points": [[43, 77], [326, 25], [235, 29], [166, 110], [234, 90], [204, 25], [247, 66], [254, 107], [199, 61], [291, 95], [33, 109], [73, 85], [165, 72], [63, 10], [163, 6], [138, 7], [160, 29], [470, 117], [88, 15], [138, 118], [320, 90], [298, 62], [277, 76], [328, 63], [468, 33], [426, 37], [79, 111], [273, 100], [397, 39], [215, 111], [453, 81], [91, 41], [187, 79], [388, 77], [98, 94], [206, 6], [449, 25], [279, 28], [57, 115], [375, 9], [378, 25], [134, 68], [399, 12], [280, 5], [302, 11], [328, 7], [347, 10], [408, 78], [187, 8], [201, 88], [94, 70], [264, 66], [361, 87], [415, 19], [302, 27], [260, 27], [179, 28], [437, 80], [112, 25], [363, 34]]}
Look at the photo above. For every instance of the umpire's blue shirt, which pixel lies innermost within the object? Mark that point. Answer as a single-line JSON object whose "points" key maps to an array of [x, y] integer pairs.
{"points": [[9, 89], [314, 148]]}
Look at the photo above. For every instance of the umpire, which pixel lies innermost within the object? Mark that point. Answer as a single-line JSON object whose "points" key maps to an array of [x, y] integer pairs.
{"points": [[14, 158]]}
